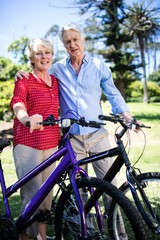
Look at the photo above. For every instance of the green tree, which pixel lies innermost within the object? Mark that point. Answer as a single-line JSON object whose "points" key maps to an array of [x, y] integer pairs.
{"points": [[145, 27], [7, 69], [135, 92], [52, 31], [92, 34], [155, 77], [116, 39], [18, 48], [6, 91], [7, 72]]}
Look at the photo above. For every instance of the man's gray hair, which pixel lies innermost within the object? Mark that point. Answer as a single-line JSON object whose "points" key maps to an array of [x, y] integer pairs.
{"points": [[67, 27]]}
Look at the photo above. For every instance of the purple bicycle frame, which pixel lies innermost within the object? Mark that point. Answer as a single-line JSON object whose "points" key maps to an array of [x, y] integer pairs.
{"points": [[68, 161]]}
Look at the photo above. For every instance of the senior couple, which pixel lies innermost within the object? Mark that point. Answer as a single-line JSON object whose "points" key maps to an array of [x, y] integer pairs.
{"points": [[74, 83]]}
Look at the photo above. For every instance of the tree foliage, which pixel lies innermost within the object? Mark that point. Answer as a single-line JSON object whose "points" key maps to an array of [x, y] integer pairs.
{"points": [[18, 48], [119, 25], [134, 92], [144, 23], [53, 31], [8, 69], [116, 40], [155, 77], [6, 91], [7, 72]]}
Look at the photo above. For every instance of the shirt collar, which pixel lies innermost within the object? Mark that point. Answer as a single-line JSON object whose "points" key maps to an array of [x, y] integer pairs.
{"points": [[85, 58]]}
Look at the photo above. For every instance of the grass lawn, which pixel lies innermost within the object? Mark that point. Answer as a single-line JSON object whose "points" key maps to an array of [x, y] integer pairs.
{"points": [[150, 161]]}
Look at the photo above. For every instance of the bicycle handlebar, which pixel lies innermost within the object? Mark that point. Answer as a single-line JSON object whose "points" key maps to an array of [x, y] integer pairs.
{"points": [[115, 118], [67, 122]]}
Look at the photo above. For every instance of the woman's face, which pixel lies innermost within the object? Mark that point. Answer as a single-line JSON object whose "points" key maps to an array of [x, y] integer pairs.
{"points": [[42, 58]]}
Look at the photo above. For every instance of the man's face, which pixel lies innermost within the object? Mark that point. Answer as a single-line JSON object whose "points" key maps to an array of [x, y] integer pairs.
{"points": [[73, 43]]}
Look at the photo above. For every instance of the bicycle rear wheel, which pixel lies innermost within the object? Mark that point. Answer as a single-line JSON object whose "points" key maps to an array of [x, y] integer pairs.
{"points": [[67, 220], [150, 183]]}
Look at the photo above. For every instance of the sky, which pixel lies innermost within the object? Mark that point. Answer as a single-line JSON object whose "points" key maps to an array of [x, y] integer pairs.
{"points": [[31, 18]]}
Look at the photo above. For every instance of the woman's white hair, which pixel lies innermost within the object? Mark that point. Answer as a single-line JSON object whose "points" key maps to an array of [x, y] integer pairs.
{"points": [[70, 26]]}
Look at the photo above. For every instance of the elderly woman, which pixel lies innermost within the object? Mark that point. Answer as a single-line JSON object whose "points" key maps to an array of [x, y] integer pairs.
{"points": [[33, 100]]}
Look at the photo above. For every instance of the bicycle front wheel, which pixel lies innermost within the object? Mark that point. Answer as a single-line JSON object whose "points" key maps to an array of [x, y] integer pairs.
{"points": [[67, 220], [150, 183]]}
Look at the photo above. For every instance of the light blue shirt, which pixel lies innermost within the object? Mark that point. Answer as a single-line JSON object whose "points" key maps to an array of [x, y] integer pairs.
{"points": [[82, 92]]}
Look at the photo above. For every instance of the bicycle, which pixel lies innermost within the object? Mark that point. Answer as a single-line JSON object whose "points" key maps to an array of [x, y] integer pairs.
{"points": [[140, 188], [70, 178]]}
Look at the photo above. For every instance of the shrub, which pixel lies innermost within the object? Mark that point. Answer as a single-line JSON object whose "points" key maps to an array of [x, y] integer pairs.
{"points": [[6, 91], [134, 93]]}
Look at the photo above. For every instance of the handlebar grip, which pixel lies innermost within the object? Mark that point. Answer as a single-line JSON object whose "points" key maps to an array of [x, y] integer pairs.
{"points": [[27, 124], [143, 126], [113, 118], [95, 124], [103, 117], [50, 121]]}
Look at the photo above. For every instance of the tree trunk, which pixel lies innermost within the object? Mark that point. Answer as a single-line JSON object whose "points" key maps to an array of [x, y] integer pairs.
{"points": [[142, 51], [155, 57], [121, 87]]}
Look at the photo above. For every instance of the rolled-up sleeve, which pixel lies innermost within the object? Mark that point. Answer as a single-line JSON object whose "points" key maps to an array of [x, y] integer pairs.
{"points": [[20, 92], [112, 93]]}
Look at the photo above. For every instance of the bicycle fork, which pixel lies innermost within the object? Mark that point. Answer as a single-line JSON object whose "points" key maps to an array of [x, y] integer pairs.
{"points": [[133, 184], [3, 187], [82, 212], [151, 219]]}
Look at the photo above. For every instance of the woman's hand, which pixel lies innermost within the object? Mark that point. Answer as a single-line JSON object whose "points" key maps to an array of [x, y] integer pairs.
{"points": [[34, 122]]}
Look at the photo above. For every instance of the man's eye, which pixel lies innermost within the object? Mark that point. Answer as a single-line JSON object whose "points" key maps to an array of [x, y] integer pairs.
{"points": [[67, 43]]}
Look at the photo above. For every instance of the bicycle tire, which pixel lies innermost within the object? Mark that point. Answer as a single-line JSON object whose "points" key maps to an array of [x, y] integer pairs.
{"points": [[66, 214], [8, 229], [151, 183]]}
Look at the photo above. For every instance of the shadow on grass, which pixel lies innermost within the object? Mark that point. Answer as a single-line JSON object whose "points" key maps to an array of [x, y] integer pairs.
{"points": [[148, 117]]}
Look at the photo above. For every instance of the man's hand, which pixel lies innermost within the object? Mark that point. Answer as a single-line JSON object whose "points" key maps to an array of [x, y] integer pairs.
{"points": [[130, 120], [135, 125], [21, 74]]}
